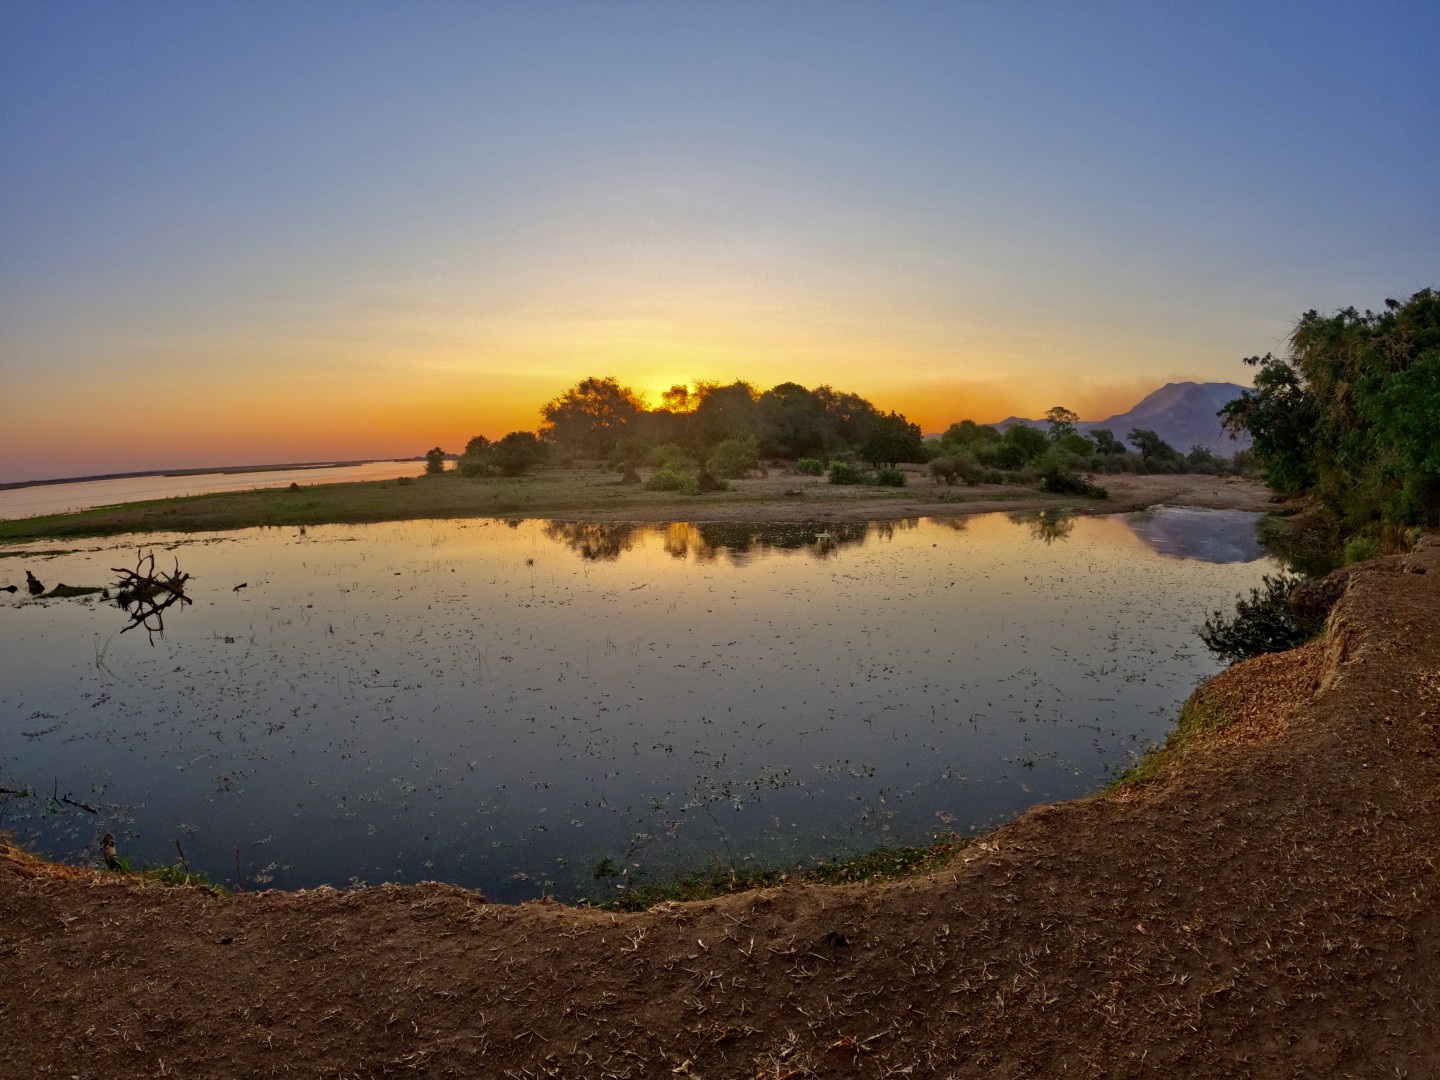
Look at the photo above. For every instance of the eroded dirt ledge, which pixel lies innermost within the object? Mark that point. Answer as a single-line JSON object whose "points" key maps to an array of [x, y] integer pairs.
{"points": [[1270, 908]]}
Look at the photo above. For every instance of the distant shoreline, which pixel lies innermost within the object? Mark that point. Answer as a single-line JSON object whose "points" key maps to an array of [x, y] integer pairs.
{"points": [[223, 470]]}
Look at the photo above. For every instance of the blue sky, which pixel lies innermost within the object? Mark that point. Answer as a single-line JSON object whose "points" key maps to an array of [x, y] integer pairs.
{"points": [[287, 231]]}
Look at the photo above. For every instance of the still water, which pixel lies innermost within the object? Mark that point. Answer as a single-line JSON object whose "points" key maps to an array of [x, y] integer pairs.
{"points": [[507, 705], [73, 495]]}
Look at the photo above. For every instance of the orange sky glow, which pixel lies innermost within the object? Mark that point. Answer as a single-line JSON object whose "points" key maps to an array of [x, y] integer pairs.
{"points": [[239, 235]]}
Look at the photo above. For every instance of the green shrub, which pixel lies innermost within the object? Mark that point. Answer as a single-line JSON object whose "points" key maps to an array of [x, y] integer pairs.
{"points": [[628, 450], [734, 457], [1058, 475], [809, 466], [890, 477], [945, 470], [1360, 548], [672, 454], [666, 478], [953, 467], [519, 452], [1262, 624], [845, 472], [475, 467]]}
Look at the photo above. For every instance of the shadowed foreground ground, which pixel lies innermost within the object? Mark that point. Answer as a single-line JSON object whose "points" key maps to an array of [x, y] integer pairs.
{"points": [[1271, 908]]}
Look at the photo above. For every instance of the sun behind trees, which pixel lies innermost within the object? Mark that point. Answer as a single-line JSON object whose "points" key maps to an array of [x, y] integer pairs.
{"points": [[599, 418], [699, 438]]}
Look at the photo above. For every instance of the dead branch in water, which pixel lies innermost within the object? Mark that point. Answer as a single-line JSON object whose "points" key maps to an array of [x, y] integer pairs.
{"points": [[147, 594], [58, 798]]}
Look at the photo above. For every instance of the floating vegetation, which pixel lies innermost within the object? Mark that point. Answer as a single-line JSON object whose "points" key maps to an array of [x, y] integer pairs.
{"points": [[509, 704]]}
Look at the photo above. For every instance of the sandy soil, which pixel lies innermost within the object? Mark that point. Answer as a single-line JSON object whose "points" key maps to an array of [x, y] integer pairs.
{"points": [[1270, 907]]}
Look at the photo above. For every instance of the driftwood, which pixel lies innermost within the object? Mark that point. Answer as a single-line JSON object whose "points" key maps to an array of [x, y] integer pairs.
{"points": [[112, 855], [147, 593], [57, 797]]}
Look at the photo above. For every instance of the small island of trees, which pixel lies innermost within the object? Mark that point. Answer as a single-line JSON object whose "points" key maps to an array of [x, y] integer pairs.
{"points": [[699, 438], [1348, 421]]}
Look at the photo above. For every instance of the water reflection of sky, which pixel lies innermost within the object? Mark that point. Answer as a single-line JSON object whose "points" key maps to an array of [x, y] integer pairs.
{"points": [[505, 704], [64, 498], [1187, 532]]}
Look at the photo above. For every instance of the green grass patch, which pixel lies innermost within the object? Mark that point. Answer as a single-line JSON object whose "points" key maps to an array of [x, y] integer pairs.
{"points": [[176, 877], [563, 492], [66, 592], [880, 864], [1198, 717]]}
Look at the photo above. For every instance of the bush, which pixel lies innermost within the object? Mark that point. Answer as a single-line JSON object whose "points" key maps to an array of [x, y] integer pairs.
{"points": [[734, 457], [809, 466], [1262, 624], [945, 470], [667, 478], [628, 450], [668, 454], [890, 477], [474, 467], [845, 472], [1057, 472], [519, 452], [1360, 548]]}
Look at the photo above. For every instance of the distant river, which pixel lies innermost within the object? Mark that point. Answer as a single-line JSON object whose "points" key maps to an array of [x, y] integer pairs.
{"points": [[85, 494], [522, 705]]}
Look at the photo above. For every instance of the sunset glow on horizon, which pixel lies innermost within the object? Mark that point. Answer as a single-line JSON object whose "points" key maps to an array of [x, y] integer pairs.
{"points": [[235, 235]]}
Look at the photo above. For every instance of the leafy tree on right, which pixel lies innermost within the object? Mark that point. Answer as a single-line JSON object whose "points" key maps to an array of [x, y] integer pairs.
{"points": [[1351, 415]]}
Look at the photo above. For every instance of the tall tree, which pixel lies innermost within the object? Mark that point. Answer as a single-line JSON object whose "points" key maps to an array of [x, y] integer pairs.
{"points": [[1062, 422], [725, 412], [678, 399], [793, 421], [968, 434], [1352, 413], [591, 416], [1158, 455], [848, 416], [891, 440]]}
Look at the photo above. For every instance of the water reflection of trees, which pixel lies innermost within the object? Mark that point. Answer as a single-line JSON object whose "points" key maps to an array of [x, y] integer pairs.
{"points": [[958, 524], [740, 540], [1046, 525], [712, 540], [594, 540]]}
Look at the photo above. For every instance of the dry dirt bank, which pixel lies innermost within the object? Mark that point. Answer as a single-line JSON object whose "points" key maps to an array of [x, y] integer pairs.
{"points": [[1271, 908]]}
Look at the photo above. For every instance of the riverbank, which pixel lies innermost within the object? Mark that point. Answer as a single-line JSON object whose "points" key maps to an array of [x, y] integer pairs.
{"points": [[599, 496], [1266, 906]]}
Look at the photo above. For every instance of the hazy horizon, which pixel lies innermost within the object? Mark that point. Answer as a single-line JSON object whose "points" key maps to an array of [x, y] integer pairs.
{"points": [[248, 235]]}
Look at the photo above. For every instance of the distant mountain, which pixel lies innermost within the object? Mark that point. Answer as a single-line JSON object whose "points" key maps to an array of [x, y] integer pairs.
{"points": [[1183, 414]]}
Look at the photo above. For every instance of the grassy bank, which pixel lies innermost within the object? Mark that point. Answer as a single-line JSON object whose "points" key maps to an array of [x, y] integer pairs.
{"points": [[877, 865], [553, 493]]}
